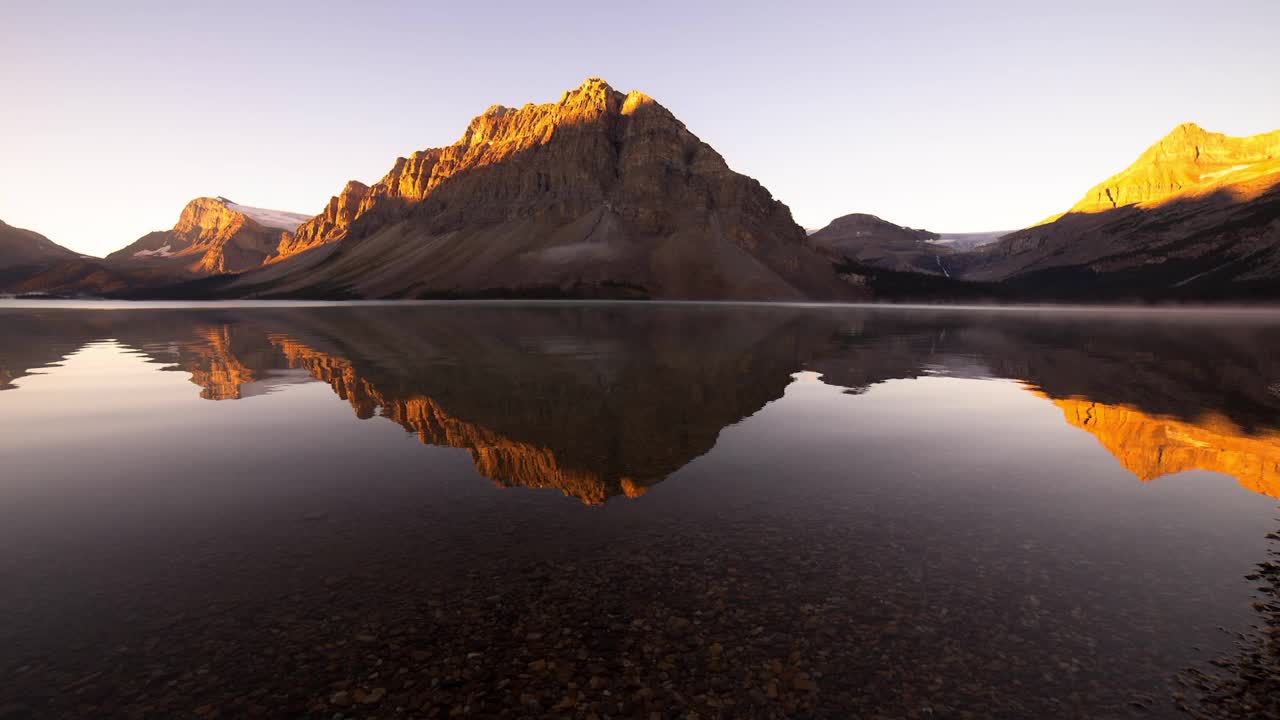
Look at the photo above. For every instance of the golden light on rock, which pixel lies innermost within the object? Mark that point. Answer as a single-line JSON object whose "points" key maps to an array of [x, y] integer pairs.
{"points": [[1151, 447], [505, 461], [633, 489], [1190, 162], [218, 371]]}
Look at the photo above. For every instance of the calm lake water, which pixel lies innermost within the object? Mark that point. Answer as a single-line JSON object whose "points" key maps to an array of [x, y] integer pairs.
{"points": [[653, 511]]}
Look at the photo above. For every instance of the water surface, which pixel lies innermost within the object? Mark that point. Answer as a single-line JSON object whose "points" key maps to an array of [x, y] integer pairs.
{"points": [[504, 510]]}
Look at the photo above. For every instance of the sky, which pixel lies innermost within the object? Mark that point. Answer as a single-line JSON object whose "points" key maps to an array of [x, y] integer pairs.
{"points": [[952, 116]]}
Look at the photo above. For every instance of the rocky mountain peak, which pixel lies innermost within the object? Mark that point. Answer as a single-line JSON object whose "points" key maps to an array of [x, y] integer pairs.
{"points": [[1188, 160], [206, 213], [213, 235], [498, 135], [601, 189]]}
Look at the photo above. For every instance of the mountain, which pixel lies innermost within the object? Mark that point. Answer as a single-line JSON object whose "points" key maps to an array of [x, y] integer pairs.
{"points": [[32, 263], [868, 240], [600, 194], [1190, 160], [212, 236], [26, 248], [1197, 216], [80, 276]]}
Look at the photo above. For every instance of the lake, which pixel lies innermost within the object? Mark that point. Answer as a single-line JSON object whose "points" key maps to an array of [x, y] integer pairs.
{"points": [[636, 510]]}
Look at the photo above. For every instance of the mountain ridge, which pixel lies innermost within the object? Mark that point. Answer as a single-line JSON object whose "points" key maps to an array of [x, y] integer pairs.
{"points": [[605, 194]]}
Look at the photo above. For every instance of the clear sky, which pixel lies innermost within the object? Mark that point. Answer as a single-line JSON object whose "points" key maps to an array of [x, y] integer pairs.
{"points": [[954, 116]]}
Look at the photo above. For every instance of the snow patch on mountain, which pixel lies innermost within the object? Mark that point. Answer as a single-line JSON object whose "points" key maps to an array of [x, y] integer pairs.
{"points": [[165, 251], [969, 241], [268, 218]]}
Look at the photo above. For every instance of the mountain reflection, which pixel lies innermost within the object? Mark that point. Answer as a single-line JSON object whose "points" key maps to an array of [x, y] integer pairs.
{"points": [[595, 404], [603, 400], [1151, 447]]}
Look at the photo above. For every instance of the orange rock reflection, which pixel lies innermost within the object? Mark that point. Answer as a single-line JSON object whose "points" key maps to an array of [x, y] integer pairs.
{"points": [[218, 371], [1151, 447], [505, 461]]}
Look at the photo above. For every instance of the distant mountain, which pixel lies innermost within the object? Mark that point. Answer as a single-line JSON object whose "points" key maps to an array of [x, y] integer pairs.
{"points": [[869, 240], [1196, 217], [212, 236], [75, 277], [1188, 161], [26, 248], [600, 194], [31, 262]]}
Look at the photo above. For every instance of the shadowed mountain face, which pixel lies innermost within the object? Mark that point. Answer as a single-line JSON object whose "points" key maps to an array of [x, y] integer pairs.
{"points": [[601, 193], [31, 262], [20, 248], [599, 401], [868, 240]]}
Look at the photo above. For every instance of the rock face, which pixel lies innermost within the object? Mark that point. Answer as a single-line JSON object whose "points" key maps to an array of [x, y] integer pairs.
{"points": [[212, 236], [330, 225], [868, 240], [1196, 217], [598, 194]]}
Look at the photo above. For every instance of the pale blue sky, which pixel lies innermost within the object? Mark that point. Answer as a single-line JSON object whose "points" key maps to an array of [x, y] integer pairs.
{"points": [[951, 116]]}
